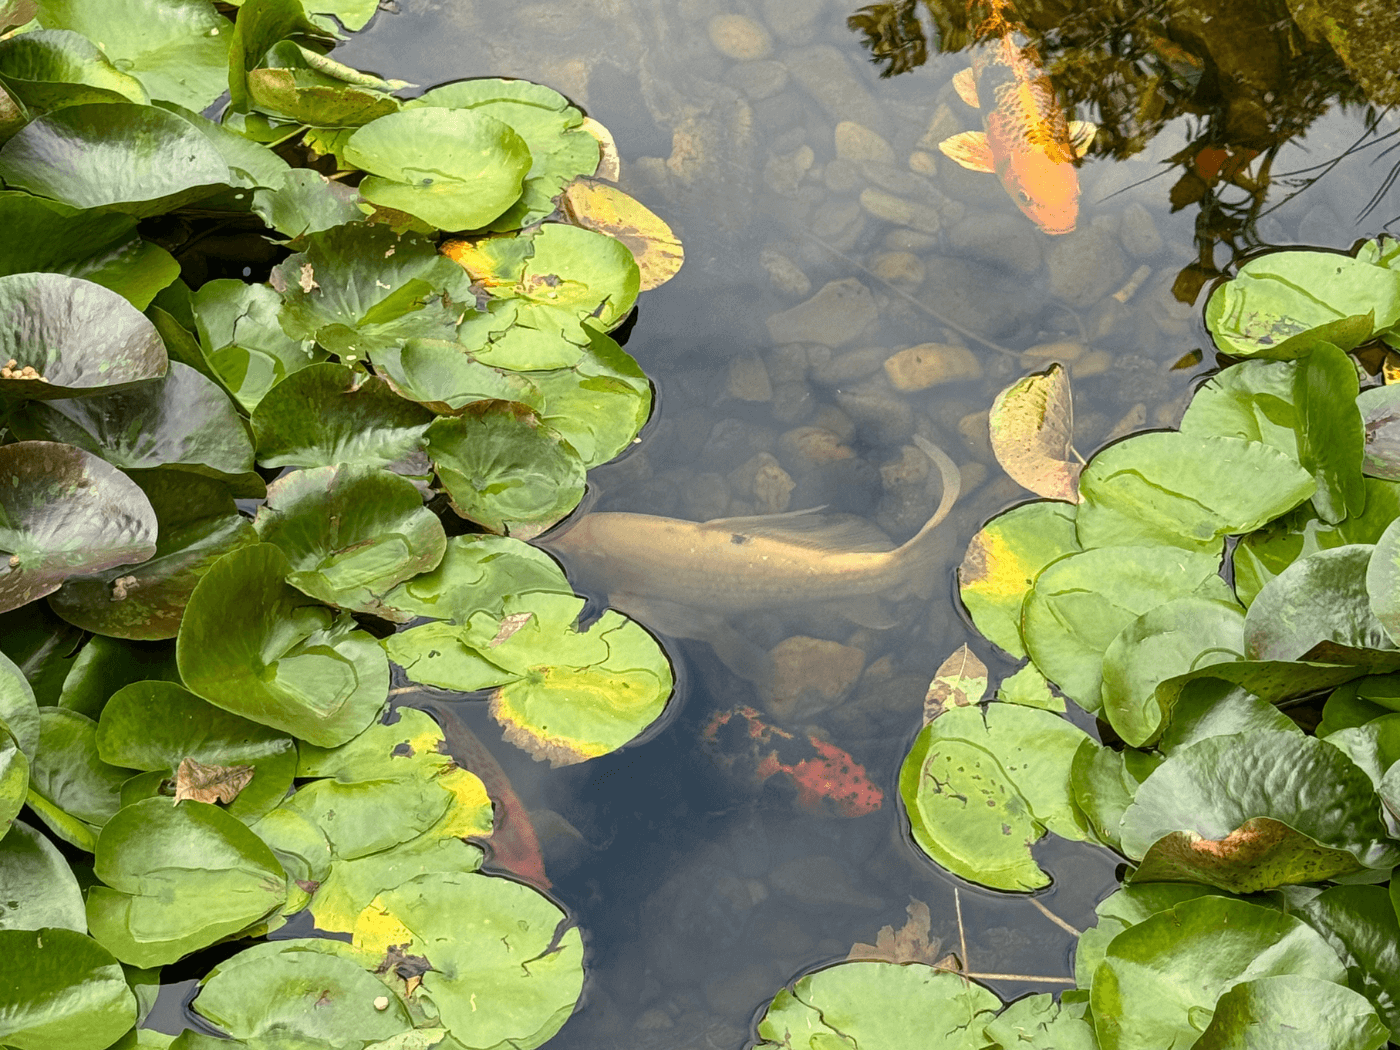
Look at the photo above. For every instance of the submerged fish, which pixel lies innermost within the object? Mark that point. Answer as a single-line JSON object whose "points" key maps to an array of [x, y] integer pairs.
{"points": [[685, 578], [1026, 141]]}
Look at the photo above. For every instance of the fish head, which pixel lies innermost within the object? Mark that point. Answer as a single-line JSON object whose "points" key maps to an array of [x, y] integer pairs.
{"points": [[1045, 188]]}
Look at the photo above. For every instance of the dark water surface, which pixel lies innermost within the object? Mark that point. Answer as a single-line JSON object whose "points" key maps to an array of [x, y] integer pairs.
{"points": [[700, 890]]}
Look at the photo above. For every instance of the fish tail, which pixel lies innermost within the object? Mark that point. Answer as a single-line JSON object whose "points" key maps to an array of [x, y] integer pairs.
{"points": [[952, 486]]}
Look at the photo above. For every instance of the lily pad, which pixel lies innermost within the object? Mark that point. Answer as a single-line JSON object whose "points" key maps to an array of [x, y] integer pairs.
{"points": [[1032, 427], [255, 646], [61, 990], [178, 878], [135, 159], [260, 25], [1003, 561], [1283, 304], [1080, 603], [243, 343], [14, 779], [1104, 782], [351, 533], [1181, 490], [600, 404], [71, 789], [504, 470], [980, 786], [40, 889], [1380, 414], [476, 574], [18, 709], [326, 414], [78, 338], [303, 96], [1290, 1010], [455, 169], [870, 1003], [1331, 437], [1253, 400], [1361, 926], [1038, 1022], [181, 420], [1160, 980], [1322, 598], [305, 202], [1209, 707], [1128, 906], [1382, 582], [503, 966], [52, 68], [1257, 810], [155, 726], [444, 377], [603, 208], [104, 665], [198, 524]]}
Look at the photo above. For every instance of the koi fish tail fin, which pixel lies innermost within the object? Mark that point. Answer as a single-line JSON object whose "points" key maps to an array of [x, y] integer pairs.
{"points": [[921, 557]]}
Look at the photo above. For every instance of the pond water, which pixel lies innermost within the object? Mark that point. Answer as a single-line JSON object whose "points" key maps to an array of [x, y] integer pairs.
{"points": [[765, 134]]}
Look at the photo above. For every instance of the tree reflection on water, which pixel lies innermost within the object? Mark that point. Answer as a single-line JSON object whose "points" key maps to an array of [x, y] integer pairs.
{"points": [[1248, 76]]}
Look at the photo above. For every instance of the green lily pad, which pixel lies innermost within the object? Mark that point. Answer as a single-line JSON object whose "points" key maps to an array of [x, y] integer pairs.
{"points": [[980, 786], [457, 170], [1257, 810], [573, 695], [600, 404], [1160, 979], [359, 288], [326, 414], [71, 789], [1177, 637], [178, 49], [40, 889], [181, 420], [504, 470], [476, 574], [304, 96], [1382, 582], [1331, 437], [299, 990], [1038, 1022], [1380, 414], [61, 990], [101, 247], [1080, 603], [1253, 400], [52, 68], [260, 25], [1210, 707], [1345, 709], [560, 148], [872, 1003], [501, 969], [178, 878], [154, 726], [1290, 1010], [1029, 688], [443, 377], [1283, 304], [250, 163], [305, 202], [255, 646], [1322, 598], [351, 533], [14, 779], [66, 513], [1128, 906], [43, 647], [1185, 491], [1003, 561], [78, 337], [119, 155], [104, 665], [1361, 926], [1104, 783], [1265, 553], [438, 654], [243, 343], [18, 709], [198, 524]]}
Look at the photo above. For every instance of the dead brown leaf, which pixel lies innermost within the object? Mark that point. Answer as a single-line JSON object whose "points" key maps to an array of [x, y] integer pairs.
{"points": [[602, 207], [910, 943], [1032, 426], [960, 682], [194, 780]]}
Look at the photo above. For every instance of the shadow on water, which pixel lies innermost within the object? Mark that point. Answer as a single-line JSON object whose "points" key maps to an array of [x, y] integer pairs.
{"points": [[764, 132]]}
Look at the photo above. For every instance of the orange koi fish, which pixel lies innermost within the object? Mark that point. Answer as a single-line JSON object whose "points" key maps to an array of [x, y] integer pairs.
{"points": [[1026, 143], [828, 780]]}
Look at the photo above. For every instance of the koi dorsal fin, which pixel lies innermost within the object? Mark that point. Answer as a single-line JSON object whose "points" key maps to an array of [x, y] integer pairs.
{"points": [[965, 84], [1081, 134], [970, 149]]}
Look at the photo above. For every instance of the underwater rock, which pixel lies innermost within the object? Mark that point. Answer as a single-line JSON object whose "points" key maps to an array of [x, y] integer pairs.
{"points": [[857, 143], [827, 76], [793, 21], [1086, 265], [1001, 239], [793, 402], [705, 496], [853, 365], [740, 38], [901, 211], [1138, 233], [784, 172], [877, 409], [903, 270], [812, 445], [764, 481], [759, 80], [811, 675], [748, 379], [836, 315], [784, 274], [929, 364]]}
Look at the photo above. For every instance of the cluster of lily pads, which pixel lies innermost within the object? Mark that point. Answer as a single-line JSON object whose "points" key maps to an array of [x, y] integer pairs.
{"points": [[195, 699], [1226, 599]]}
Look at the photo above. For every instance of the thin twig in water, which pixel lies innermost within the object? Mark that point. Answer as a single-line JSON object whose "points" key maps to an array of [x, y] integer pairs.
{"points": [[1018, 977], [911, 300], [962, 933], [1054, 918], [405, 689]]}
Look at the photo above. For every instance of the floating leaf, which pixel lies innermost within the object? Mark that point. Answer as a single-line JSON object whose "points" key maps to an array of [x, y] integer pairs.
{"points": [[72, 790], [255, 646], [1288, 1009], [1032, 427], [1104, 782], [351, 533], [1331, 436], [1038, 1022], [1003, 561], [504, 470], [260, 25], [1210, 707], [600, 404], [1184, 491], [960, 681], [1253, 811], [61, 990], [1080, 603], [603, 208], [181, 877], [243, 343], [879, 1004], [501, 965], [445, 378], [1380, 416], [476, 574], [194, 780], [304, 202], [40, 889], [18, 709], [52, 68], [1360, 924], [198, 524], [981, 785], [1318, 599], [304, 96], [1283, 304], [1253, 400], [131, 158], [1125, 907], [455, 169], [910, 943], [1029, 688], [76, 336], [327, 414]]}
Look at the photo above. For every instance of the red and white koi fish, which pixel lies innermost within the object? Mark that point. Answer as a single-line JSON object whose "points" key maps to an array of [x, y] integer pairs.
{"points": [[1026, 141]]}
